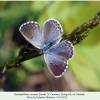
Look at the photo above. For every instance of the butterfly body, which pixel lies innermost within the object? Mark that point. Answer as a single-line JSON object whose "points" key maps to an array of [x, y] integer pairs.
{"points": [[56, 53], [45, 47]]}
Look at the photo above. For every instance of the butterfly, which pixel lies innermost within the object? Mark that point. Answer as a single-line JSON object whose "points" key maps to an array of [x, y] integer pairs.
{"points": [[56, 52]]}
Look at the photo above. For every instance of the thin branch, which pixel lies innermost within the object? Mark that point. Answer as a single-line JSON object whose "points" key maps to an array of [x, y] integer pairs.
{"points": [[76, 36], [83, 30]]}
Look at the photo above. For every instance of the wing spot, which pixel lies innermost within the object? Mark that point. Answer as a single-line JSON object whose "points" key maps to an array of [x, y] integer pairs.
{"points": [[31, 37], [28, 22], [21, 27], [24, 24], [64, 70], [31, 22]]}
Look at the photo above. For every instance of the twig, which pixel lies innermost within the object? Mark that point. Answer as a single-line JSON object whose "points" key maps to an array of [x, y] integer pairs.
{"points": [[76, 36]]}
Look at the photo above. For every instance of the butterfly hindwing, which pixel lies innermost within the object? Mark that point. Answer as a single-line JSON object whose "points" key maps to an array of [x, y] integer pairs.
{"points": [[57, 57], [55, 63]]}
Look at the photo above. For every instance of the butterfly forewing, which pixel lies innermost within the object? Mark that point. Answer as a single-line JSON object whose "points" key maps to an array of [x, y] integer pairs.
{"points": [[52, 31], [31, 32]]}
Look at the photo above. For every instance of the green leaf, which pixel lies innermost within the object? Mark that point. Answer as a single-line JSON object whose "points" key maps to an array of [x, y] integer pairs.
{"points": [[86, 66]]}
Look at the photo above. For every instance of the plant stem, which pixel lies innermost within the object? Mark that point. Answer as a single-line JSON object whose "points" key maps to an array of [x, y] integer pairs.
{"points": [[76, 36]]}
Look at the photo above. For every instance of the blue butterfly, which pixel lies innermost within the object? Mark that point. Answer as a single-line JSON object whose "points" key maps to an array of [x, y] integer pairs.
{"points": [[56, 52]]}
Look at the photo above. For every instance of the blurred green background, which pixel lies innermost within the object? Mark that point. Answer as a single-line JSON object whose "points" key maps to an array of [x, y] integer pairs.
{"points": [[83, 73]]}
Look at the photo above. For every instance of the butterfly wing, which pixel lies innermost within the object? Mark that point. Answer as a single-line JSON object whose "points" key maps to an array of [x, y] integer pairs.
{"points": [[57, 57], [64, 48], [31, 32], [52, 31], [56, 64]]}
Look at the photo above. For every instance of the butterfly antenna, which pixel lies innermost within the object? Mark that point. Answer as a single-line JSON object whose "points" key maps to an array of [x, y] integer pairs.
{"points": [[43, 65]]}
